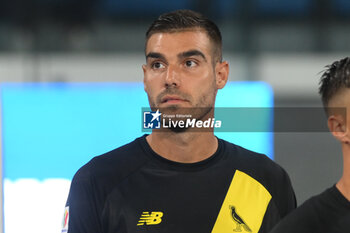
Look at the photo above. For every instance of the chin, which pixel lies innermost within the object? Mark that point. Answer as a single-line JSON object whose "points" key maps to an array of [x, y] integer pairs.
{"points": [[178, 130]]}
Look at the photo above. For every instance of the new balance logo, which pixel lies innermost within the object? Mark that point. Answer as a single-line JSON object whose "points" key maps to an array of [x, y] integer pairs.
{"points": [[152, 218]]}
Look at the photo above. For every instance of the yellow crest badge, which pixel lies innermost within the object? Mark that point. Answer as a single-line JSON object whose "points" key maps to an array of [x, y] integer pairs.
{"points": [[239, 221]]}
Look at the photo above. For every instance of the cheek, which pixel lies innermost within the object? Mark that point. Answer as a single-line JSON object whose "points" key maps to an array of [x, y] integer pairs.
{"points": [[153, 79], [149, 83], [149, 90], [208, 81], [152, 88], [201, 72], [207, 75]]}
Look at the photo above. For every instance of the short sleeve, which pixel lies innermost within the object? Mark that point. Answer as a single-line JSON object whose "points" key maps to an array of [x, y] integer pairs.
{"points": [[83, 207]]}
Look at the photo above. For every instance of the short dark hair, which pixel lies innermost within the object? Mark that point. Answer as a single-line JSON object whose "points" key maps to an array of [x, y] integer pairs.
{"points": [[335, 78], [181, 20]]}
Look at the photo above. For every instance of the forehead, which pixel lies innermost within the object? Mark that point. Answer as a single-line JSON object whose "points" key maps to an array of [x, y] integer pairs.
{"points": [[179, 41]]}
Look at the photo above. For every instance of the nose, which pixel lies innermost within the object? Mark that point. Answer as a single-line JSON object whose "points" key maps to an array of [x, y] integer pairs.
{"points": [[172, 77]]}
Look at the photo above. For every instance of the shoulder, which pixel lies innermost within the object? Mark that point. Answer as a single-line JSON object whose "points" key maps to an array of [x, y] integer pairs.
{"points": [[253, 163], [115, 164], [303, 219], [266, 172]]}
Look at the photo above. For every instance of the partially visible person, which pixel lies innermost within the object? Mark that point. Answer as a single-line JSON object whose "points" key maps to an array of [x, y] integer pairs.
{"points": [[329, 211]]}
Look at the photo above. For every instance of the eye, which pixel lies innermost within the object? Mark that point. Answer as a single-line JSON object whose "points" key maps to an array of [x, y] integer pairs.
{"points": [[190, 63], [157, 65]]}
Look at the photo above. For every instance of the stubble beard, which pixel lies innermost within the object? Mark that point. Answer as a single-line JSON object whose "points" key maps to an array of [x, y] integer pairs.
{"points": [[202, 110]]}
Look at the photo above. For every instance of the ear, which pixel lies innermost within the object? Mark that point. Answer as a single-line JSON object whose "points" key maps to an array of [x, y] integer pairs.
{"points": [[144, 68], [337, 126], [221, 71]]}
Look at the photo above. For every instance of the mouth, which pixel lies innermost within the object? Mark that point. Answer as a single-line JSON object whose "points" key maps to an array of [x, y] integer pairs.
{"points": [[172, 99]]}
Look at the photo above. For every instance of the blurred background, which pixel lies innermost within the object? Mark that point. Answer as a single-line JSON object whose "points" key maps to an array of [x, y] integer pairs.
{"points": [[284, 43]]}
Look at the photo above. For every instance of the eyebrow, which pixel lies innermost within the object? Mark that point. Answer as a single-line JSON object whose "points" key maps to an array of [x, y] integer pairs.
{"points": [[155, 55], [191, 53], [182, 55]]}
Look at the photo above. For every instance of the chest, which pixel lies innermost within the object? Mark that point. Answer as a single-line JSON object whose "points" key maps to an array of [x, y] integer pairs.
{"points": [[216, 201]]}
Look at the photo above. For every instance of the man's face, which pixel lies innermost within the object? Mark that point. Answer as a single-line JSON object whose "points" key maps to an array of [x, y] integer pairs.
{"points": [[180, 71]]}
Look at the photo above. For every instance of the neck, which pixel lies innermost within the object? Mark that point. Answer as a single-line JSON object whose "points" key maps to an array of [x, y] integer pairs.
{"points": [[343, 184], [185, 147]]}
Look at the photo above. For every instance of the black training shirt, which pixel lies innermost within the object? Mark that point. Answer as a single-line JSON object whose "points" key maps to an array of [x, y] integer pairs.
{"points": [[132, 189]]}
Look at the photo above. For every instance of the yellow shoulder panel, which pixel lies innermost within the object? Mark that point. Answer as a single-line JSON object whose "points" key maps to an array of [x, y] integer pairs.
{"points": [[244, 206]]}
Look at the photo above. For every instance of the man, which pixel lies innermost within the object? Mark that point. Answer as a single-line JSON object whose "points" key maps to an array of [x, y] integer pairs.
{"points": [[329, 211], [180, 180]]}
